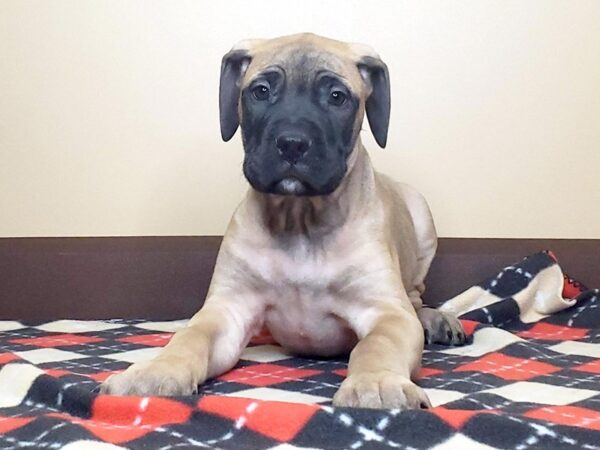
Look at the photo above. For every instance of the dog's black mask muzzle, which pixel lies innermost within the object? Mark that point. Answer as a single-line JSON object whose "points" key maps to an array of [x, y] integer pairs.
{"points": [[295, 145]]}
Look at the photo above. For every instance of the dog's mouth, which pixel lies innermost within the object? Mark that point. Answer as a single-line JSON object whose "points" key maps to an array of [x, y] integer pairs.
{"points": [[293, 181], [288, 180]]}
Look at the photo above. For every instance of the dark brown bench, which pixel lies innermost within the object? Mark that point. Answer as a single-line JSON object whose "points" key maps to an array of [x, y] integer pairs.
{"points": [[163, 278]]}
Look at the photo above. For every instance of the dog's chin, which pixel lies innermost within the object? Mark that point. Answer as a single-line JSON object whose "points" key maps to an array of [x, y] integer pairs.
{"points": [[290, 183], [290, 186]]}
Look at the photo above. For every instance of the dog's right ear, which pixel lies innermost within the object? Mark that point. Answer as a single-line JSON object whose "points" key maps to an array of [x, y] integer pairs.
{"points": [[233, 67]]}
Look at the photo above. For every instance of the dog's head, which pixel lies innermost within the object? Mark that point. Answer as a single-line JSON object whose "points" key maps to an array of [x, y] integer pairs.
{"points": [[300, 102]]}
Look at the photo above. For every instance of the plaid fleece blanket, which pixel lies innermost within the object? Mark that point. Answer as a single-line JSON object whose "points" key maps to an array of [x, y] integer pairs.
{"points": [[528, 379]]}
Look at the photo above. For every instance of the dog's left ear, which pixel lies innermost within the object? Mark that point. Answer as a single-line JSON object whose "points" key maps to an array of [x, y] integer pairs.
{"points": [[233, 67], [378, 104]]}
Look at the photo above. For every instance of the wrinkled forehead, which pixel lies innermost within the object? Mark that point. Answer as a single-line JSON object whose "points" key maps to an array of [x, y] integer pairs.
{"points": [[302, 62]]}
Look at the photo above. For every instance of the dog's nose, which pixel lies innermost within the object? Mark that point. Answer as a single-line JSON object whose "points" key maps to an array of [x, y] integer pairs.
{"points": [[292, 146]]}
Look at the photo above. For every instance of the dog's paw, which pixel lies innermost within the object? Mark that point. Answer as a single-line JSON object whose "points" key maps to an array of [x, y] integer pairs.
{"points": [[161, 376], [441, 327], [380, 390]]}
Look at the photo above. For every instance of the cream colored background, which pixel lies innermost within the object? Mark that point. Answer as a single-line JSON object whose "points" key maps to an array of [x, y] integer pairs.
{"points": [[109, 123]]}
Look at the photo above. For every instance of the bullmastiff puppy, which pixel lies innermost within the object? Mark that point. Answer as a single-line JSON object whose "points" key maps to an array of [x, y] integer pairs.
{"points": [[324, 251]]}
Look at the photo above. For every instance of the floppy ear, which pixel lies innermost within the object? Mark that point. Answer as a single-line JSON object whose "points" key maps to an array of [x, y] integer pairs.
{"points": [[375, 73], [233, 67]]}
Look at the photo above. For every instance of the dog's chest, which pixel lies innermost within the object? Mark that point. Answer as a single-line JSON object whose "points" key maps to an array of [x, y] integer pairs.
{"points": [[299, 289]]}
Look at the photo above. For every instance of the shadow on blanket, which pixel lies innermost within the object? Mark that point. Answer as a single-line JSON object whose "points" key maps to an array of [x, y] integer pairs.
{"points": [[529, 379]]}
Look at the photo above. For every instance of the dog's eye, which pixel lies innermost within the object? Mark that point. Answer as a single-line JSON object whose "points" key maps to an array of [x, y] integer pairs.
{"points": [[337, 98], [261, 92]]}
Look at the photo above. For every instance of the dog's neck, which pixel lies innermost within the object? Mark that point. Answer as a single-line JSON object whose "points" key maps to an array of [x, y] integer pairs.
{"points": [[313, 216]]}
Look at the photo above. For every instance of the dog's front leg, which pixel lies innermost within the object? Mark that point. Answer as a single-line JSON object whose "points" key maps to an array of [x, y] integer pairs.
{"points": [[382, 364], [209, 345]]}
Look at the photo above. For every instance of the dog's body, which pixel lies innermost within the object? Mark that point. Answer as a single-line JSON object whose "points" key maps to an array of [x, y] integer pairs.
{"points": [[325, 252], [314, 283]]}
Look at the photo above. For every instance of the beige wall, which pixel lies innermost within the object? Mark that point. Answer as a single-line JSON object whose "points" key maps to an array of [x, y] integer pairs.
{"points": [[109, 124]]}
